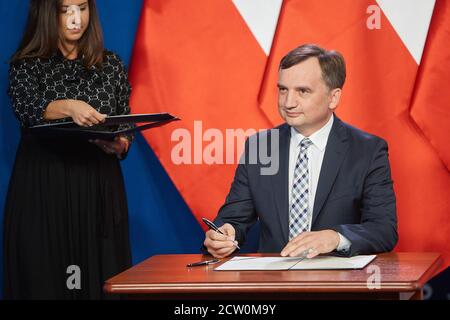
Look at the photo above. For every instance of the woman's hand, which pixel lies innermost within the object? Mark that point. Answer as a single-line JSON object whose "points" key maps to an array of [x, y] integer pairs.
{"points": [[80, 112], [118, 146], [83, 114]]}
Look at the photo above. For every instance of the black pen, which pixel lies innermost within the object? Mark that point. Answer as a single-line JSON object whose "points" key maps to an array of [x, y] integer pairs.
{"points": [[202, 263], [212, 226]]}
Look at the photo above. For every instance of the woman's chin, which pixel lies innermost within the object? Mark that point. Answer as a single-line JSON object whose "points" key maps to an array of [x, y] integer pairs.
{"points": [[75, 36]]}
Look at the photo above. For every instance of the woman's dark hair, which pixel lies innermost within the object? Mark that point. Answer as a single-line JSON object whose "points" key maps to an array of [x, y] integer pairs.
{"points": [[41, 36]]}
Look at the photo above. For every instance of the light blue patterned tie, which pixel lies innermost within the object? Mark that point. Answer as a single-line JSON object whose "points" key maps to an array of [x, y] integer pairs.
{"points": [[299, 211]]}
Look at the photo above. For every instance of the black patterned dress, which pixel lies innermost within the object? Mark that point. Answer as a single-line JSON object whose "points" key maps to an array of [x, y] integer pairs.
{"points": [[66, 219]]}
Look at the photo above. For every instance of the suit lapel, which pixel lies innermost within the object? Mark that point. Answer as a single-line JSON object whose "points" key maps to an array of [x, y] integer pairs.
{"points": [[280, 194], [335, 151]]}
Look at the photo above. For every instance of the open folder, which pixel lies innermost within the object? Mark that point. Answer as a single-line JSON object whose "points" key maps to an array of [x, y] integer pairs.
{"points": [[109, 129], [295, 263]]}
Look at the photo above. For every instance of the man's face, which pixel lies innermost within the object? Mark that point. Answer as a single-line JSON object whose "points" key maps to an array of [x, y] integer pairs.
{"points": [[304, 100]]}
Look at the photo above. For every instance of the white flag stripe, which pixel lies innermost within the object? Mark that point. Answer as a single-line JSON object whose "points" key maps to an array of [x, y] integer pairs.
{"points": [[410, 19], [261, 17]]}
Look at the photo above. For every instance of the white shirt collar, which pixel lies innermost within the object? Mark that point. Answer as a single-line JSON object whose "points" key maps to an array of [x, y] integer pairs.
{"points": [[318, 138]]}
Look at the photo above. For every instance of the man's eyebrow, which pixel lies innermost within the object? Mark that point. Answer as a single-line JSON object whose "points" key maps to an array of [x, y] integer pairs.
{"points": [[279, 85], [303, 88]]}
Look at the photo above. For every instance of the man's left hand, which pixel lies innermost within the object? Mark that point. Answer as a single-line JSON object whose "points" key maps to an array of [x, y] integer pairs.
{"points": [[314, 242]]}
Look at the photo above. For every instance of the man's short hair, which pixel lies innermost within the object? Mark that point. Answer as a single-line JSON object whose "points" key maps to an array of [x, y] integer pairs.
{"points": [[331, 62]]}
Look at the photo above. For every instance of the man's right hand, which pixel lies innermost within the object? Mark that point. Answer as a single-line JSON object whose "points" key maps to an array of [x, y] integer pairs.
{"points": [[221, 245]]}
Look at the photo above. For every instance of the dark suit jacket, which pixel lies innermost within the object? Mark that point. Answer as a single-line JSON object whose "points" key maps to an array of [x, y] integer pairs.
{"points": [[354, 194]]}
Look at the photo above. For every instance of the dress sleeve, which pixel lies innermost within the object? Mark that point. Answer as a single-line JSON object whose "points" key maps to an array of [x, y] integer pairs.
{"points": [[123, 92], [28, 101]]}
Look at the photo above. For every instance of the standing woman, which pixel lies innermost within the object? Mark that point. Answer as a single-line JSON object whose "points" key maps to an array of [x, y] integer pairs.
{"points": [[66, 219]]}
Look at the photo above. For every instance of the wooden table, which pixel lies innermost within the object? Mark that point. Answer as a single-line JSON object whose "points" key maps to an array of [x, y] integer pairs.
{"points": [[401, 275]]}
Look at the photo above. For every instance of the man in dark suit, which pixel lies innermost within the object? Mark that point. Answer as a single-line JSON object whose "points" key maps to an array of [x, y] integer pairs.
{"points": [[332, 192]]}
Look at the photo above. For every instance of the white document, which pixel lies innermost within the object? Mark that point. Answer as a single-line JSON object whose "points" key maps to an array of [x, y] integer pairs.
{"points": [[333, 263], [258, 263], [295, 263]]}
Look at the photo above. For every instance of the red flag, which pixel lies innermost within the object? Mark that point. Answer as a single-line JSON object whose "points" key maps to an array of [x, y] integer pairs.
{"points": [[198, 61], [430, 110]]}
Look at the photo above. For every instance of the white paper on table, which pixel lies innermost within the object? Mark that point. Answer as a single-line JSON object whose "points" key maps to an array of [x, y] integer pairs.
{"points": [[333, 263], [295, 263], [258, 263]]}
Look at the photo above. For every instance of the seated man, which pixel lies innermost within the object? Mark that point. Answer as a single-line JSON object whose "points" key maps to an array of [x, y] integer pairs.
{"points": [[332, 192]]}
